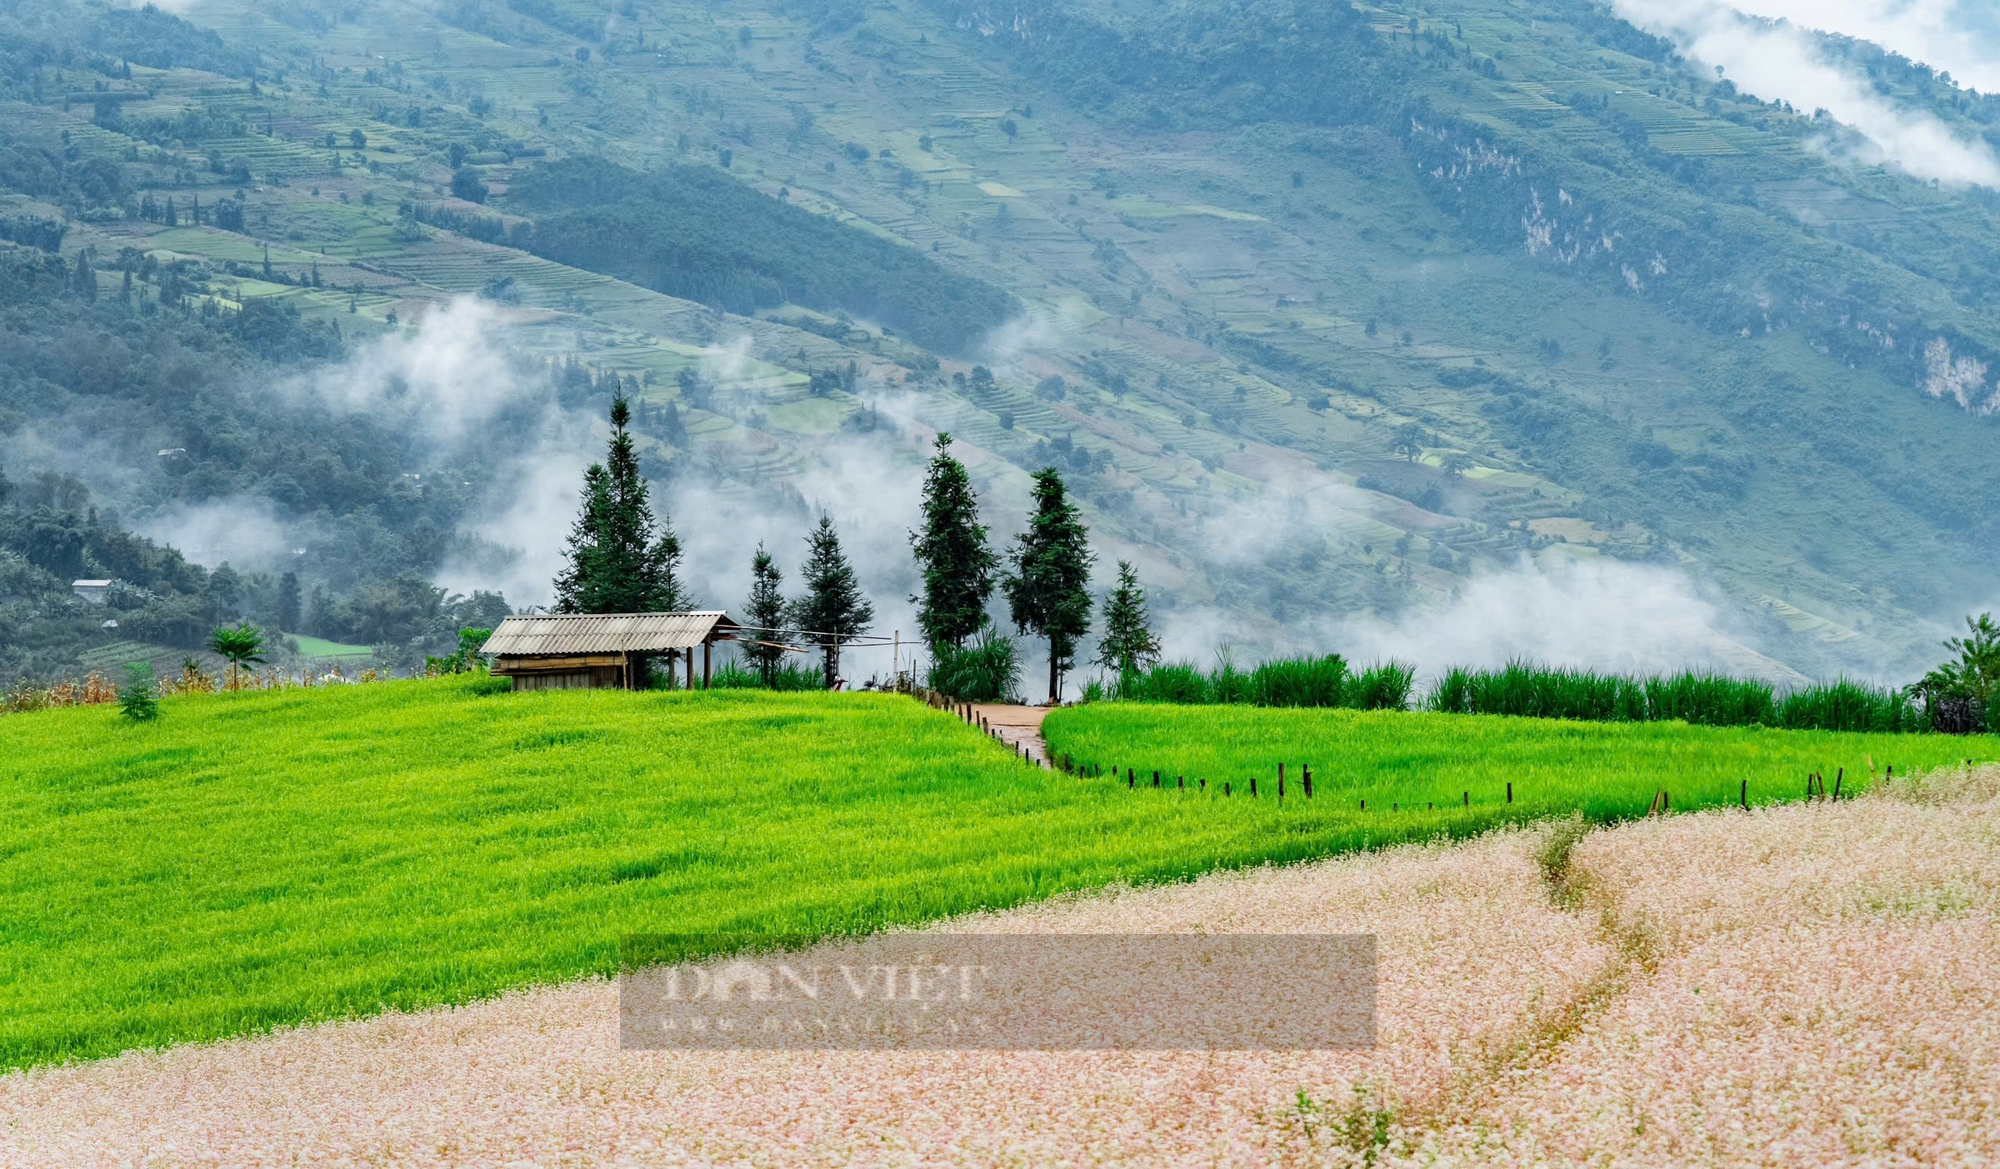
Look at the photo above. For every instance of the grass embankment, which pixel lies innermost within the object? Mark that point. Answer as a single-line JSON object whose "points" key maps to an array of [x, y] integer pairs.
{"points": [[1406, 764], [266, 858]]}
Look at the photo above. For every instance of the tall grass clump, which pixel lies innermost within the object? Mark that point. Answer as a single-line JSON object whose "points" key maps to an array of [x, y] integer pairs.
{"points": [[987, 670], [1177, 682], [1318, 681], [1527, 690], [733, 676], [1385, 686], [1711, 700], [1846, 705], [1324, 682]]}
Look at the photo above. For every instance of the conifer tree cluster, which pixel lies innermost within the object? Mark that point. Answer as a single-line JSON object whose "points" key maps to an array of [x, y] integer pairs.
{"points": [[1047, 592], [620, 558], [765, 614], [952, 553], [830, 613], [1128, 643], [833, 609]]}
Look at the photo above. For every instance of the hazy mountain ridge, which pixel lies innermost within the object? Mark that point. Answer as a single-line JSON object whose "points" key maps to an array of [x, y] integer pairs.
{"points": [[1250, 286]]}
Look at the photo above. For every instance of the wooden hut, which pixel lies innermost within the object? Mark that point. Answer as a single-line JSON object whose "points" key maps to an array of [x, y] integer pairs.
{"points": [[584, 651]]}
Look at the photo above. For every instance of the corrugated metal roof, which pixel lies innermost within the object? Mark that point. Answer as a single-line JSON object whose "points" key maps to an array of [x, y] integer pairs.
{"points": [[600, 633]]}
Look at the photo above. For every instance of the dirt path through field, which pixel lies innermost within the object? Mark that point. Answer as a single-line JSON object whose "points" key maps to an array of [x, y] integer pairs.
{"points": [[1020, 727]]}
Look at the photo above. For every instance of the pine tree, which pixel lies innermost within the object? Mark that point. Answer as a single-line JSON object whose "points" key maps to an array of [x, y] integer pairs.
{"points": [[620, 559], [1128, 642], [85, 278], [952, 551], [765, 614], [288, 603], [832, 607], [1048, 588], [139, 698]]}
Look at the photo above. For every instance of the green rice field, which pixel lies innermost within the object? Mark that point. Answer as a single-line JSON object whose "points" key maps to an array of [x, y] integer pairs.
{"points": [[1453, 771], [259, 859]]}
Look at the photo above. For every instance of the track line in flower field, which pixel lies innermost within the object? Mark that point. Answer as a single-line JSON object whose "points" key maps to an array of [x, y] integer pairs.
{"points": [[1816, 985]]}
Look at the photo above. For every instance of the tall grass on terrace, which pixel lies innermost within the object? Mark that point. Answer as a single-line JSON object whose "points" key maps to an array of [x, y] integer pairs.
{"points": [[1715, 700], [1463, 773], [1311, 682], [1852, 706], [787, 677], [1532, 691]]}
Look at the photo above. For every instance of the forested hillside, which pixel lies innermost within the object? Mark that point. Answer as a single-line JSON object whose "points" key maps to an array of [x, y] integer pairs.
{"points": [[1328, 312]]}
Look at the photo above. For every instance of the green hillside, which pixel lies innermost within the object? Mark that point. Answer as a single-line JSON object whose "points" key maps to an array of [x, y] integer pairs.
{"points": [[253, 860], [1422, 290]]}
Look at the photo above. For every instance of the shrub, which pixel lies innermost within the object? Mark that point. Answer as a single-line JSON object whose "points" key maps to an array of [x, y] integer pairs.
{"points": [[1300, 682], [988, 670], [139, 701], [1845, 705], [1385, 686]]}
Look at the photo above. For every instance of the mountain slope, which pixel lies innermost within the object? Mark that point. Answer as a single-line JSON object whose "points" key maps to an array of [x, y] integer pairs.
{"points": [[1348, 308]]}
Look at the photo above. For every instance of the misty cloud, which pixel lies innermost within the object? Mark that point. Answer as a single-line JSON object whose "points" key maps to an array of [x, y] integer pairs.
{"points": [[1598, 614], [1960, 37], [245, 533], [452, 373], [1783, 62]]}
